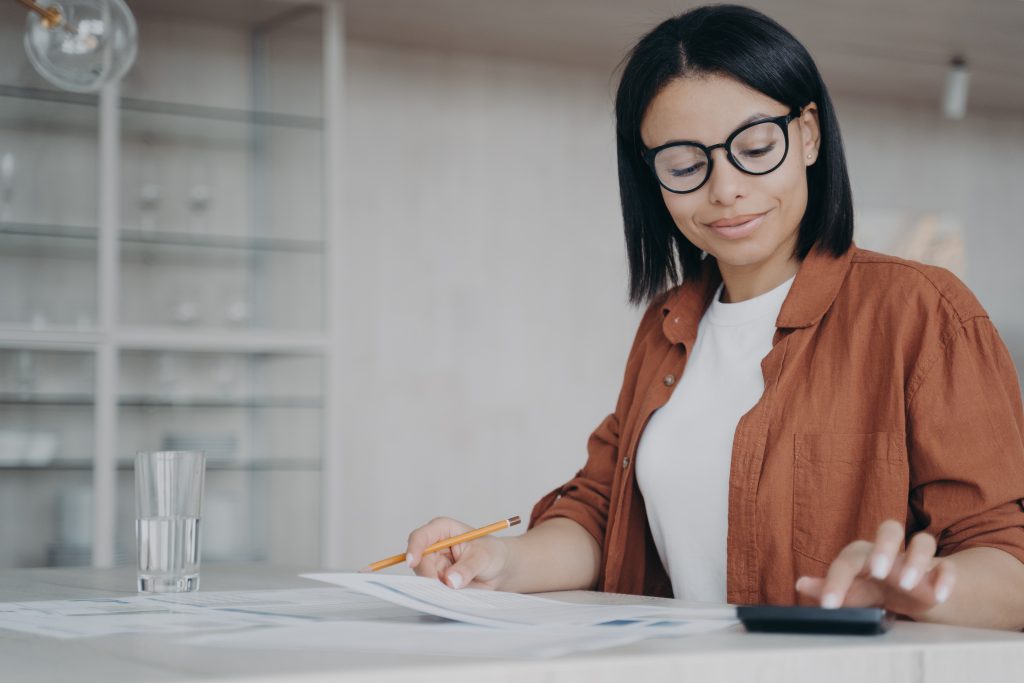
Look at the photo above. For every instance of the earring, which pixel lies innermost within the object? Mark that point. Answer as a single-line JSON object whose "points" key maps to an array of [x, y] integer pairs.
{"points": [[808, 156]]}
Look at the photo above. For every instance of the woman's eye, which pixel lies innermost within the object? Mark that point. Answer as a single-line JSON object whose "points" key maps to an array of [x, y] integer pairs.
{"points": [[759, 152], [687, 171]]}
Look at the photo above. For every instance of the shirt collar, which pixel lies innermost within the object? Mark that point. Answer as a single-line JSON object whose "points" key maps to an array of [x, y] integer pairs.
{"points": [[816, 286]]}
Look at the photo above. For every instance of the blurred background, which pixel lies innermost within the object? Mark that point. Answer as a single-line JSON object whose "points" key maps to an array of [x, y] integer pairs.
{"points": [[367, 255]]}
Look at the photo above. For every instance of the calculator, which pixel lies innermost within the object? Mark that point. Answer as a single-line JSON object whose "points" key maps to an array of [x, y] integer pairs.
{"points": [[846, 620]]}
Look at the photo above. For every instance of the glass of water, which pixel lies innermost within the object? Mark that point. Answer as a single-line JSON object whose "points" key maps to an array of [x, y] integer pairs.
{"points": [[168, 505]]}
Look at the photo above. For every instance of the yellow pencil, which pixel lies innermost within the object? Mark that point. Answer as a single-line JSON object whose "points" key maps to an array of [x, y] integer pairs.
{"points": [[447, 543]]}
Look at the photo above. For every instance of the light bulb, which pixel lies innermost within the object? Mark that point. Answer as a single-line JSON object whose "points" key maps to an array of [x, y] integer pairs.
{"points": [[95, 44]]}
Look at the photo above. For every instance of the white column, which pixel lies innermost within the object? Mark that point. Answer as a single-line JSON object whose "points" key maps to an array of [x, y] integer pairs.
{"points": [[332, 552], [104, 474]]}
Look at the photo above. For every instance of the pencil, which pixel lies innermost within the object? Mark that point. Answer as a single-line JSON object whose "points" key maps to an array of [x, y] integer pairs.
{"points": [[447, 543]]}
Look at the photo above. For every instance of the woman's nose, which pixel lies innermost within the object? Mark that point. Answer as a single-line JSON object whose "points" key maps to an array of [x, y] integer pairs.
{"points": [[727, 183]]}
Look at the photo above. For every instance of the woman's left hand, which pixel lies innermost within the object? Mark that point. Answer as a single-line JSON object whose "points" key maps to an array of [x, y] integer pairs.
{"points": [[877, 574]]}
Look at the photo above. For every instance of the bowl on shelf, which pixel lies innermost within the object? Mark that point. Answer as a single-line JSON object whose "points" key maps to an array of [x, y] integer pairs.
{"points": [[24, 447]]}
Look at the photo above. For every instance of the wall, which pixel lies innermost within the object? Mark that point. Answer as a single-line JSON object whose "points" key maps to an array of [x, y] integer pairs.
{"points": [[913, 160], [488, 327]]}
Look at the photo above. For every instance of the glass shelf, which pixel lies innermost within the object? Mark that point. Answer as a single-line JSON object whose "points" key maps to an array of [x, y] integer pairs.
{"points": [[48, 95], [250, 117], [276, 465], [75, 232], [73, 465], [89, 234], [38, 108], [26, 103], [157, 122], [15, 398], [237, 242], [44, 252], [218, 402], [273, 465]]}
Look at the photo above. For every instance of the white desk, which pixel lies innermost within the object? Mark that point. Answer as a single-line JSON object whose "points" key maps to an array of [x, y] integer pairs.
{"points": [[909, 653]]}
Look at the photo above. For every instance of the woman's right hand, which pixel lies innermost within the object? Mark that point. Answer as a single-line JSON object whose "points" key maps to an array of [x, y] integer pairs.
{"points": [[482, 563]]}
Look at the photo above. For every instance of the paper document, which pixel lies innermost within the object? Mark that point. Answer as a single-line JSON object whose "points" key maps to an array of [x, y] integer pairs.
{"points": [[190, 612], [371, 613], [82, 618], [310, 604], [496, 608]]}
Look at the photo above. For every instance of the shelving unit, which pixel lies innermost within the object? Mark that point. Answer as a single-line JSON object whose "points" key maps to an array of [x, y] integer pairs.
{"points": [[178, 251]]}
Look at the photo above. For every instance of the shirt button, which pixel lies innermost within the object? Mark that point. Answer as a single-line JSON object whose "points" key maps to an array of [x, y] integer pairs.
{"points": [[625, 463], [669, 380]]}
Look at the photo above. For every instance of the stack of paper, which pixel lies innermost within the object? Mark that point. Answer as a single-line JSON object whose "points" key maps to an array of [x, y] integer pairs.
{"points": [[480, 623], [172, 613], [495, 608], [371, 613]]}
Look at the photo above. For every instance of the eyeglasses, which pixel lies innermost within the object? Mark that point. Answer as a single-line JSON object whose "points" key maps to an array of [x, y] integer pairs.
{"points": [[756, 148]]}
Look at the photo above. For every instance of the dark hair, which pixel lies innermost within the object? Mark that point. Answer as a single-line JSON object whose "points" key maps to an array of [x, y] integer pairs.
{"points": [[748, 46]]}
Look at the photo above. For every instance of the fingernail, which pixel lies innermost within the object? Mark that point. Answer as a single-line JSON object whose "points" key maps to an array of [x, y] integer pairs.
{"points": [[942, 593], [408, 559], [831, 601], [880, 566], [800, 582], [909, 579], [455, 581]]}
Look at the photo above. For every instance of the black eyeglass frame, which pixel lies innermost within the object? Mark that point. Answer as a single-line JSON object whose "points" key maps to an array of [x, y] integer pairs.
{"points": [[782, 121]]}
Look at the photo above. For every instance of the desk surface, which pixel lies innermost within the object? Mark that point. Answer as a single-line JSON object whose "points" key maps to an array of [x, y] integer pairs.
{"points": [[910, 652]]}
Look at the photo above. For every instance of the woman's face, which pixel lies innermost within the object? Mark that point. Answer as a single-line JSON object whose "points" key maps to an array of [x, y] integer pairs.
{"points": [[767, 207]]}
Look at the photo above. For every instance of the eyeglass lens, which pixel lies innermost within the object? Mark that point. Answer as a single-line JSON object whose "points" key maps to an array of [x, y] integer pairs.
{"points": [[758, 149]]}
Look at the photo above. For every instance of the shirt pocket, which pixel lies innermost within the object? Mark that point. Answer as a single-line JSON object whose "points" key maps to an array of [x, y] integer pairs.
{"points": [[844, 486]]}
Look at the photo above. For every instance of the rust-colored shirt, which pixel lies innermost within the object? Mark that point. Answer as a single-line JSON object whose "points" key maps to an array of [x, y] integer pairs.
{"points": [[888, 394]]}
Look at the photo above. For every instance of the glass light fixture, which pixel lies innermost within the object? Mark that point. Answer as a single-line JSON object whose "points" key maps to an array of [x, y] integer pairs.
{"points": [[80, 45], [954, 96]]}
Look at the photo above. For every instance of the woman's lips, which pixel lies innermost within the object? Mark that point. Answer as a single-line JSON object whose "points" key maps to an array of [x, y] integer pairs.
{"points": [[735, 232]]}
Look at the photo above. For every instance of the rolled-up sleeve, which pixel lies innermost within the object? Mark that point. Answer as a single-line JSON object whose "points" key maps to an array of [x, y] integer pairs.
{"points": [[966, 444]]}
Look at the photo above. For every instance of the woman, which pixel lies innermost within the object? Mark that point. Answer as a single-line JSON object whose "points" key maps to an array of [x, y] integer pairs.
{"points": [[800, 421]]}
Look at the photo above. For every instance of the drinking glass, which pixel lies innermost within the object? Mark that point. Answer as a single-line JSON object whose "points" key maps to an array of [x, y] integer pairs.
{"points": [[168, 506]]}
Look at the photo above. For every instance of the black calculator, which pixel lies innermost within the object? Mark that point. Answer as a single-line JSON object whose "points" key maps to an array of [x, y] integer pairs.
{"points": [[850, 620]]}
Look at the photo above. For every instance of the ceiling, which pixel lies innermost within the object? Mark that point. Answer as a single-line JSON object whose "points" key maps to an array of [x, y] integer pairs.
{"points": [[896, 50]]}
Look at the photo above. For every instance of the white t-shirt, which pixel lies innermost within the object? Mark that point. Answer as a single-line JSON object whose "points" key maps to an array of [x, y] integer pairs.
{"points": [[685, 452]]}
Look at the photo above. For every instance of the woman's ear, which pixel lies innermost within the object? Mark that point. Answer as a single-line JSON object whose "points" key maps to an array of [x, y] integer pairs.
{"points": [[810, 133]]}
